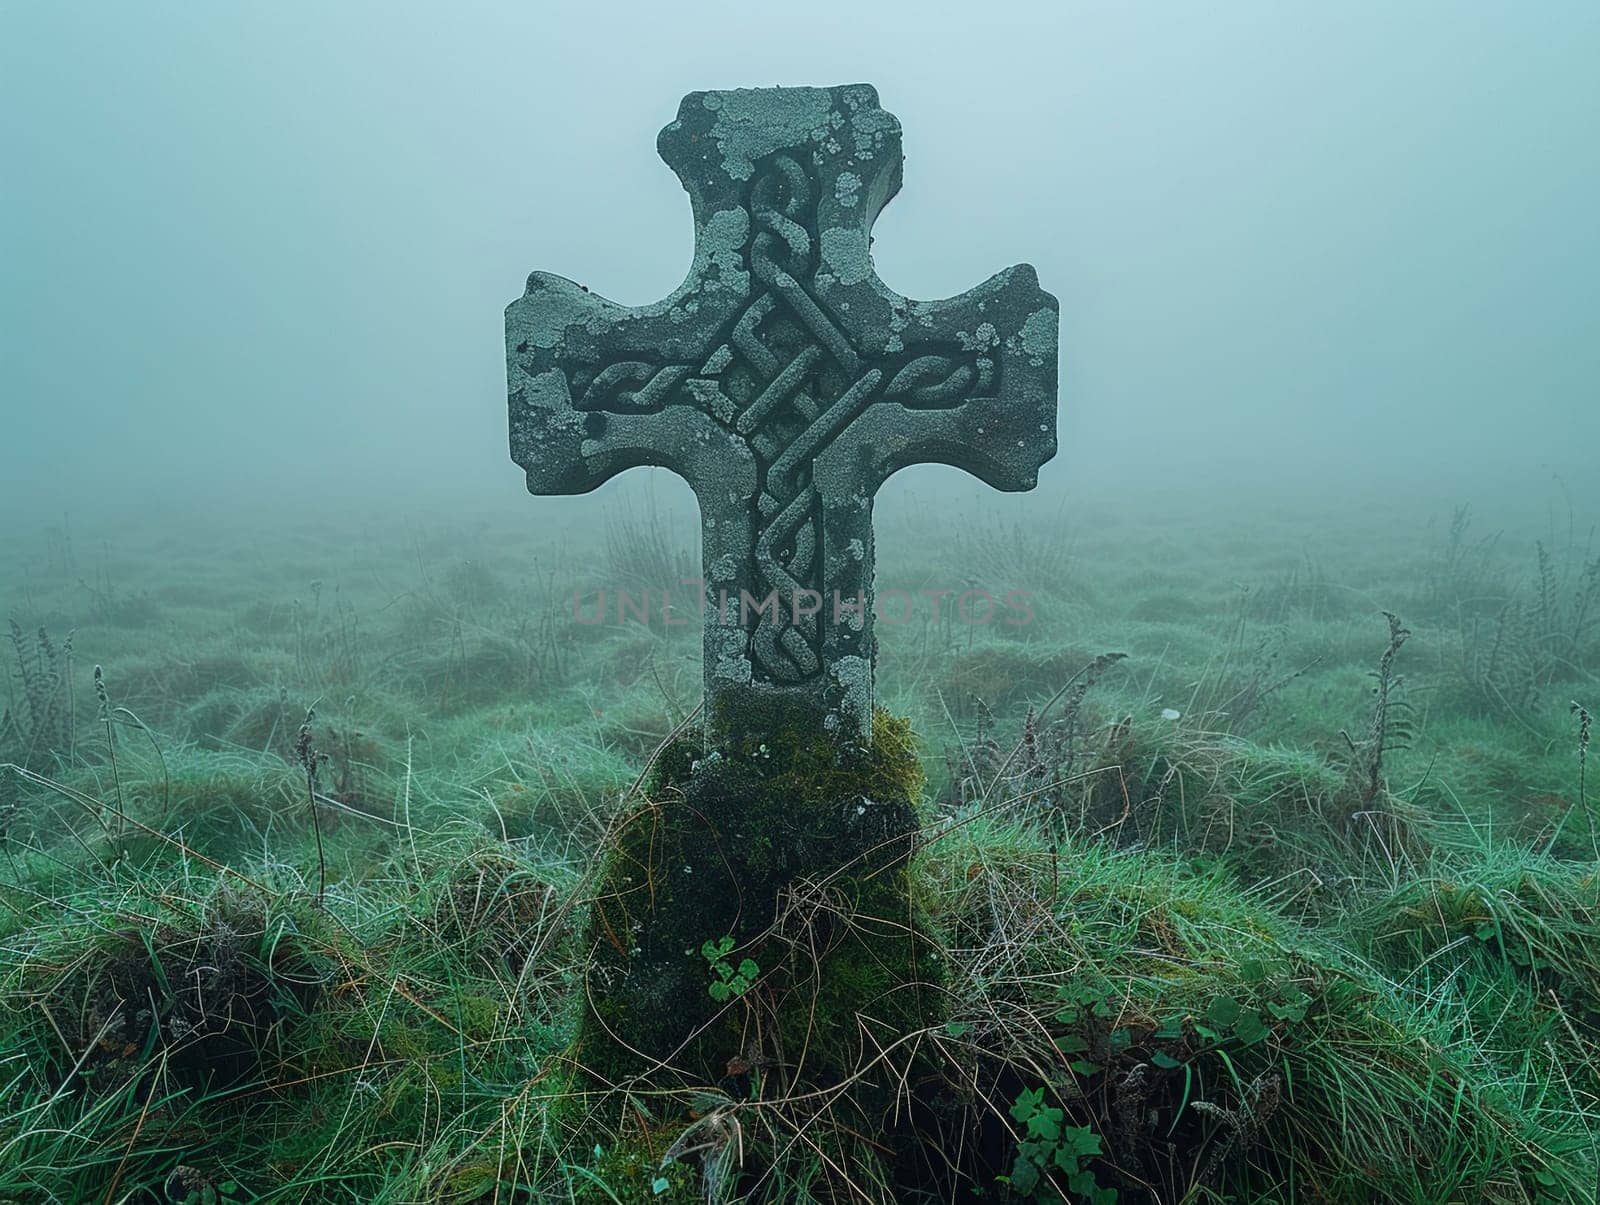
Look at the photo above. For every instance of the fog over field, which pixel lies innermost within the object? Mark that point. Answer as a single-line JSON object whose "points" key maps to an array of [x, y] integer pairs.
{"points": [[259, 253], [1217, 821]]}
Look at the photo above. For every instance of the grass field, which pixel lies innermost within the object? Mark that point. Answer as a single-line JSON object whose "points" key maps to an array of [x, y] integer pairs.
{"points": [[1292, 901]]}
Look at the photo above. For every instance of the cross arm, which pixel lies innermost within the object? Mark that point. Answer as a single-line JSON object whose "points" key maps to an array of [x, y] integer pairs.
{"points": [[971, 382], [595, 389]]}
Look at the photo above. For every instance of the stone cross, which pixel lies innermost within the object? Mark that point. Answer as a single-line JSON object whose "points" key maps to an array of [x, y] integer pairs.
{"points": [[784, 381]]}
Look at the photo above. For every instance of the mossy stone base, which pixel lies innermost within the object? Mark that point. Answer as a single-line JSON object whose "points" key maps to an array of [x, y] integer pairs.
{"points": [[797, 847]]}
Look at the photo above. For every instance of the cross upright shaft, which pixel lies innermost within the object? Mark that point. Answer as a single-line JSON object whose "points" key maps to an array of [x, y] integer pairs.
{"points": [[785, 382]]}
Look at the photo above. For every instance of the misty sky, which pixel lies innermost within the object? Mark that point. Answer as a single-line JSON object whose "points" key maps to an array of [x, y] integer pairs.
{"points": [[262, 250]]}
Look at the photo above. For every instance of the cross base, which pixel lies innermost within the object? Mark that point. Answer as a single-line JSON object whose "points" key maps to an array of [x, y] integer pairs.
{"points": [[799, 853]]}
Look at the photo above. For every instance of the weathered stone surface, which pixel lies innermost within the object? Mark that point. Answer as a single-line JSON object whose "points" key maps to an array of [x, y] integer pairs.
{"points": [[785, 382]]}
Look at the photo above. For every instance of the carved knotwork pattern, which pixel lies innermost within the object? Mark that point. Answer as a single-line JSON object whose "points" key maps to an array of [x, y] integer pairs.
{"points": [[785, 378]]}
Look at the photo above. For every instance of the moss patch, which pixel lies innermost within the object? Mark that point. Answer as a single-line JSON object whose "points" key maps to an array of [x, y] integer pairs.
{"points": [[796, 848]]}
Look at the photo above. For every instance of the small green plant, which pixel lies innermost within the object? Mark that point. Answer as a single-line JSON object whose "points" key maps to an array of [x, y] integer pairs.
{"points": [[101, 694], [1585, 729], [190, 1186], [1391, 725], [308, 757], [1226, 1020], [1046, 1147], [40, 726], [1087, 1012], [729, 981]]}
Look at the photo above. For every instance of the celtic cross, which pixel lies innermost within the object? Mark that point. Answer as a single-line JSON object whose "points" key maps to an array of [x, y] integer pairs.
{"points": [[784, 381]]}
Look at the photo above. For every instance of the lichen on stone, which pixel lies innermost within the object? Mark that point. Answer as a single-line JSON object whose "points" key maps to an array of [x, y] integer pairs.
{"points": [[1039, 333], [753, 122], [720, 243], [845, 251], [560, 306]]}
